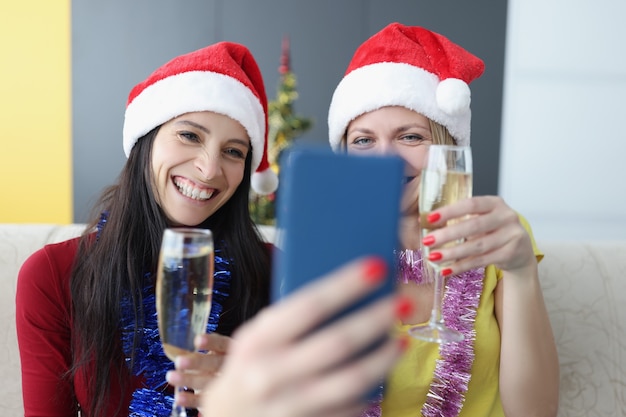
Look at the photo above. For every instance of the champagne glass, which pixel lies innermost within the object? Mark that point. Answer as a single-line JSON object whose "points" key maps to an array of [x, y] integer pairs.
{"points": [[446, 178], [183, 291]]}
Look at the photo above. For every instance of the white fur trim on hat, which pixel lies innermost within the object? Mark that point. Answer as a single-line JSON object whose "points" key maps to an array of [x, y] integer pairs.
{"points": [[264, 182], [195, 91], [392, 84]]}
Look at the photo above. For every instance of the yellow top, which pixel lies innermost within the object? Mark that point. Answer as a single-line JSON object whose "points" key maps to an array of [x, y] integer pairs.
{"points": [[408, 384]]}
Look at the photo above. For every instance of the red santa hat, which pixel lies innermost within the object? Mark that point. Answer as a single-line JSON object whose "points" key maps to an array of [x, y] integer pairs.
{"points": [[412, 67], [223, 78]]}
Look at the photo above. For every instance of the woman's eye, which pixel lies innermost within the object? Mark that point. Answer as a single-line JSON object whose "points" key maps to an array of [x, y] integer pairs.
{"points": [[362, 141], [237, 153], [413, 138], [189, 137]]}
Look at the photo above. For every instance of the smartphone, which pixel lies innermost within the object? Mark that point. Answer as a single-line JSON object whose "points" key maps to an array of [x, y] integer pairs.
{"points": [[330, 209]]}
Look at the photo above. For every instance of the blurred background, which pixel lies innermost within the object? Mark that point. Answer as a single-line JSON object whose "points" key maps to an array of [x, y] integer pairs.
{"points": [[546, 113]]}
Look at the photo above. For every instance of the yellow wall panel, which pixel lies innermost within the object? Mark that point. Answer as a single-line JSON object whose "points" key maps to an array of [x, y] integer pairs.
{"points": [[35, 111]]}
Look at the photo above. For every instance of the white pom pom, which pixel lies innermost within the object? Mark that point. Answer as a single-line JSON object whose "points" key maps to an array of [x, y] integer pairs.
{"points": [[265, 182], [453, 96]]}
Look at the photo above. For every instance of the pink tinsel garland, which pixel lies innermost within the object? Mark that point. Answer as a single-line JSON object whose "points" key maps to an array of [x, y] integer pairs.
{"points": [[453, 370]]}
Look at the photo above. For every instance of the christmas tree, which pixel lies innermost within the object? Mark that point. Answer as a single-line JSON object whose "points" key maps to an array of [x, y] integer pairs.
{"points": [[284, 127]]}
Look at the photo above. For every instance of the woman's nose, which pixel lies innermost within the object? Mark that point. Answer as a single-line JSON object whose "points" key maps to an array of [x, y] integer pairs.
{"points": [[387, 148], [208, 163]]}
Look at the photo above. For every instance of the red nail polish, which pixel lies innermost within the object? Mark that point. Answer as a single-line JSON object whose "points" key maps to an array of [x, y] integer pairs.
{"points": [[428, 240], [374, 270], [446, 271], [433, 217], [404, 342], [435, 256], [404, 307]]}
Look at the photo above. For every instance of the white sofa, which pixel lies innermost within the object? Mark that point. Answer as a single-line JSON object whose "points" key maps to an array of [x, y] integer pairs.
{"points": [[584, 285]]}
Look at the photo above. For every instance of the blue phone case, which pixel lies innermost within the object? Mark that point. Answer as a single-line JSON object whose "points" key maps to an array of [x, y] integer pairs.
{"points": [[332, 208]]}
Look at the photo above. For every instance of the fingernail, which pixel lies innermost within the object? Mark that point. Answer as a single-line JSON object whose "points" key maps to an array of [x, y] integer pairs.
{"points": [[435, 256], [446, 271], [198, 340], [404, 307], [181, 362], [428, 240], [433, 217], [374, 270], [404, 342]]}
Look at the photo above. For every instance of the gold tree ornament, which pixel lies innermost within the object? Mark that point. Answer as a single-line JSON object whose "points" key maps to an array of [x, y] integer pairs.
{"points": [[284, 128]]}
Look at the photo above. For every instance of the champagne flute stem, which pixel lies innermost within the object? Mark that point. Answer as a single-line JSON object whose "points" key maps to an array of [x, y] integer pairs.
{"points": [[436, 317], [177, 410]]}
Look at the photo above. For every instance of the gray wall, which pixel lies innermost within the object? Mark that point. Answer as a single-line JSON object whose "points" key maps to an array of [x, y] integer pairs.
{"points": [[117, 43]]}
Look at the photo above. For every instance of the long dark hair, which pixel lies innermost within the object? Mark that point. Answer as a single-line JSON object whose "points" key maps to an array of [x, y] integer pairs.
{"points": [[127, 248]]}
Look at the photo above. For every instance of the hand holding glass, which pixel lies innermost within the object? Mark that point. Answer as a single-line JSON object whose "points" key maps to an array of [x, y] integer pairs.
{"points": [[184, 291], [446, 178]]}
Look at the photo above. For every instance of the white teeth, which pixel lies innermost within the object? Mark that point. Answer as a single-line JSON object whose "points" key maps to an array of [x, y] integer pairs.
{"points": [[190, 191]]}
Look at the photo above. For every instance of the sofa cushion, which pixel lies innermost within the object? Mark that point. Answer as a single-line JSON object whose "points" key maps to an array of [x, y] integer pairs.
{"points": [[584, 286]]}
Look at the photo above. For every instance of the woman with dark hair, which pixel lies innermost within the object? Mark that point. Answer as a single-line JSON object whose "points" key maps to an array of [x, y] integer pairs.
{"points": [[195, 134]]}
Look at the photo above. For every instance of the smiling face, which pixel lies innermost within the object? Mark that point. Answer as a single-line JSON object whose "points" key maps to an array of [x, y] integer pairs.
{"points": [[198, 161], [396, 131]]}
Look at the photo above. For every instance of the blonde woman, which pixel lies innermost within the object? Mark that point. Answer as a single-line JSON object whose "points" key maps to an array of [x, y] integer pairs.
{"points": [[406, 88]]}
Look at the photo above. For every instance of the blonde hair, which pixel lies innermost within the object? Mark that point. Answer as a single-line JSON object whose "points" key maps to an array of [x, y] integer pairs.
{"points": [[440, 134]]}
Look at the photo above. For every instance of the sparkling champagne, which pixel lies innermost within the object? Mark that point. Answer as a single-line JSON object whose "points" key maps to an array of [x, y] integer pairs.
{"points": [[446, 179], [183, 296], [440, 188]]}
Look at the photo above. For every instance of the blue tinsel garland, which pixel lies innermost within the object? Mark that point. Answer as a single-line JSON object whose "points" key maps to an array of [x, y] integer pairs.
{"points": [[150, 361]]}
